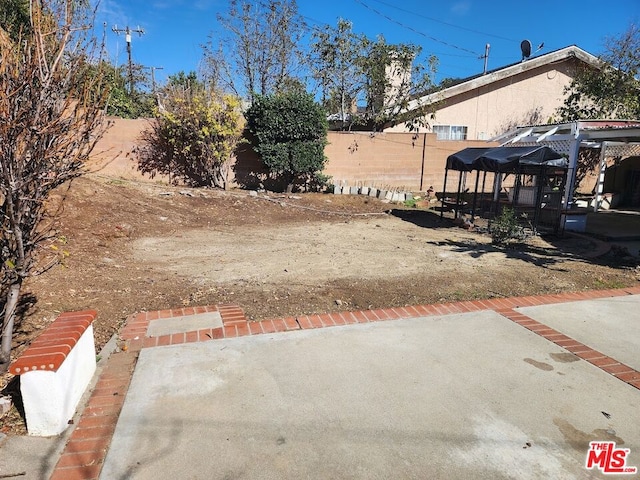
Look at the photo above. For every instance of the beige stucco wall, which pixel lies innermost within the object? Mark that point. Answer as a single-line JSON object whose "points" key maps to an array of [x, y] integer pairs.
{"points": [[527, 98]]}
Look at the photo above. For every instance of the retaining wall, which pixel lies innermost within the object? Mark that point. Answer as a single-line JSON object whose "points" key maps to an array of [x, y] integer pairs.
{"points": [[405, 161]]}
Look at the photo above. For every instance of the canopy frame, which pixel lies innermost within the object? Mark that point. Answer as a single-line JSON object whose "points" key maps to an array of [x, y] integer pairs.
{"points": [[536, 161]]}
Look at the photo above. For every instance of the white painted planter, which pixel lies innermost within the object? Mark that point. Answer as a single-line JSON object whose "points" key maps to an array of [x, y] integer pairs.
{"points": [[55, 372], [50, 398]]}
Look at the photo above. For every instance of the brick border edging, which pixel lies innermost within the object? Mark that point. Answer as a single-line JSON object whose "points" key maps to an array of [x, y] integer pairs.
{"points": [[134, 333], [85, 452], [610, 365], [86, 449]]}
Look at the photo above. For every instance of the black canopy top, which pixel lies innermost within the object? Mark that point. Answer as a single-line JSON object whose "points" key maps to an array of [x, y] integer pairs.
{"points": [[505, 159], [463, 160]]}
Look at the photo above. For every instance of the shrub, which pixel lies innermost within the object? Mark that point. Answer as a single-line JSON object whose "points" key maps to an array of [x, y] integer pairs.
{"points": [[290, 131], [506, 228], [52, 101], [193, 138]]}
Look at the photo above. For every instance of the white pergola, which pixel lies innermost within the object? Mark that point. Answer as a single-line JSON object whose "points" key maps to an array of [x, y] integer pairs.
{"points": [[614, 138]]}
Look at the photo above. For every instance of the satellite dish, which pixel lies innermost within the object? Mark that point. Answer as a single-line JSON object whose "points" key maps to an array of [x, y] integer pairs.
{"points": [[525, 47]]}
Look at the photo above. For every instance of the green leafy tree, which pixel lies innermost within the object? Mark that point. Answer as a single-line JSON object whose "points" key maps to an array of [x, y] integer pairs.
{"points": [[122, 102], [187, 81], [290, 131], [14, 18], [364, 83], [393, 77], [52, 102], [611, 91], [194, 136], [336, 64]]}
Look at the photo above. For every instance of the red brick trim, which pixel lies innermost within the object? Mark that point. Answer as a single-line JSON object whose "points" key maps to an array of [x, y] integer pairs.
{"points": [[235, 323], [598, 359], [88, 444], [50, 349], [134, 332], [84, 455]]}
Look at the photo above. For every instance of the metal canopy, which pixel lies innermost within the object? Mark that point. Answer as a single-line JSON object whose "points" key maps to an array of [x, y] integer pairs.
{"points": [[553, 145], [463, 160], [613, 137], [505, 159], [509, 159], [501, 161]]}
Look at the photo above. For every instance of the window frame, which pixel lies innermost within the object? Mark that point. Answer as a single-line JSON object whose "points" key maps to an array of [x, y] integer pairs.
{"points": [[450, 132]]}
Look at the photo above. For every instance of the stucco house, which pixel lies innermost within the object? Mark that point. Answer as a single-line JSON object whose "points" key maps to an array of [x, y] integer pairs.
{"points": [[487, 105]]}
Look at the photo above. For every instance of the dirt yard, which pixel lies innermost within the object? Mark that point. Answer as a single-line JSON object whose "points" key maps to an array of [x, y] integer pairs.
{"points": [[143, 246]]}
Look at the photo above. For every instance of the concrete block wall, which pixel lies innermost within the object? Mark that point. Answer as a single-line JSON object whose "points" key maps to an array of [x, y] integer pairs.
{"points": [[114, 153], [401, 161], [394, 196]]}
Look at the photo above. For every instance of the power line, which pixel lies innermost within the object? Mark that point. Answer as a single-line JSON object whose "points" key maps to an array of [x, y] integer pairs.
{"points": [[446, 23], [377, 12], [324, 24]]}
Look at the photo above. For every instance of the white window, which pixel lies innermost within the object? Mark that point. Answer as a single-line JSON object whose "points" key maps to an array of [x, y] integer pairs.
{"points": [[450, 132]]}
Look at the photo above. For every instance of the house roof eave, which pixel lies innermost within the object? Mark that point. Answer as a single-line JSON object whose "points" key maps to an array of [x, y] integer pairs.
{"points": [[509, 71]]}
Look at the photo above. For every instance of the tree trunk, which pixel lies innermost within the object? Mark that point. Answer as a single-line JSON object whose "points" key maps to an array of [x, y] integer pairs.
{"points": [[291, 182], [226, 168], [7, 326]]}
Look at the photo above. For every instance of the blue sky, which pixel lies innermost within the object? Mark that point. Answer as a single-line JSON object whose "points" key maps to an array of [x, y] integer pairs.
{"points": [[454, 31]]}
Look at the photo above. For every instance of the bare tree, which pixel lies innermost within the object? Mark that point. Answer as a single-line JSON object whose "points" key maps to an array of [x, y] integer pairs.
{"points": [[52, 99], [336, 66], [259, 51]]}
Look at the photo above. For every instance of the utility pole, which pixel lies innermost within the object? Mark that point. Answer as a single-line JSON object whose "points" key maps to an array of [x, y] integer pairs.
{"points": [[153, 77], [127, 31], [486, 58]]}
